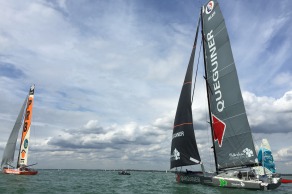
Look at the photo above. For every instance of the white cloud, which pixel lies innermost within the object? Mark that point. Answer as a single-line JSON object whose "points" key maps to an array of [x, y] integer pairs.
{"points": [[91, 124], [283, 79], [268, 114]]}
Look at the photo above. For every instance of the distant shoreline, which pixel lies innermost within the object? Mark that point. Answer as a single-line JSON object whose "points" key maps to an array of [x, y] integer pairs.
{"points": [[286, 174], [111, 170], [133, 170]]}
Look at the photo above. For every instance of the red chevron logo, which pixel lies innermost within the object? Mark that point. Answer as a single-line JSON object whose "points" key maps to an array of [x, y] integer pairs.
{"points": [[218, 129]]}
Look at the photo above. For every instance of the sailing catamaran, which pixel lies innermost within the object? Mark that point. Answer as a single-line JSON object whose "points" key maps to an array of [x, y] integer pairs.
{"points": [[233, 146], [25, 115]]}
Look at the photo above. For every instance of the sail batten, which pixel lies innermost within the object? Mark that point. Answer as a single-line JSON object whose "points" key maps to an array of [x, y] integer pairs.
{"points": [[182, 124]]}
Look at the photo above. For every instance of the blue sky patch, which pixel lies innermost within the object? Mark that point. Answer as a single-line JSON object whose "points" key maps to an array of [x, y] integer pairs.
{"points": [[9, 70]]}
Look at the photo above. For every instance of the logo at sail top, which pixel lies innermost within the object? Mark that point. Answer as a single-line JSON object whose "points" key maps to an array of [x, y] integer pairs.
{"points": [[210, 7], [32, 87], [218, 129]]}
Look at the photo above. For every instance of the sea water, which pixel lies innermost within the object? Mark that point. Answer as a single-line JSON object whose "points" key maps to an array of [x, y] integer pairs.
{"points": [[95, 181]]}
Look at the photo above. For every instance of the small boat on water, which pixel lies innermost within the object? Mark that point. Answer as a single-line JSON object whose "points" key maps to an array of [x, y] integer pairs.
{"points": [[25, 118], [123, 172]]}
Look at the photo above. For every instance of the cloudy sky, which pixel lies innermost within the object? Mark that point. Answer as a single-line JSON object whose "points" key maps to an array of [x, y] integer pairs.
{"points": [[108, 74]]}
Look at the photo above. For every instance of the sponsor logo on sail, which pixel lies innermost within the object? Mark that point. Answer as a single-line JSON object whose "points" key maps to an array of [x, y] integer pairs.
{"points": [[209, 7], [218, 129], [178, 134], [175, 155], [215, 73], [211, 16], [25, 143], [23, 153], [246, 153]]}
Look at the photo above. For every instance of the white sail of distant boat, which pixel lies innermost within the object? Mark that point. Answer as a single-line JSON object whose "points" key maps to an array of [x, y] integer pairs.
{"points": [[265, 158], [233, 146], [24, 118]]}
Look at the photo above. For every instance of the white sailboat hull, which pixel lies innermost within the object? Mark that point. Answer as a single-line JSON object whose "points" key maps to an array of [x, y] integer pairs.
{"points": [[230, 179]]}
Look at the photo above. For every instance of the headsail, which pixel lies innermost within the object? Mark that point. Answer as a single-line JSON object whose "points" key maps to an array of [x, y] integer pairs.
{"points": [[184, 149], [265, 157], [232, 137], [23, 151], [8, 155]]}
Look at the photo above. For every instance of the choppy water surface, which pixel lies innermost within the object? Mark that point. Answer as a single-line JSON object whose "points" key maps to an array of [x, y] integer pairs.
{"points": [[93, 181]]}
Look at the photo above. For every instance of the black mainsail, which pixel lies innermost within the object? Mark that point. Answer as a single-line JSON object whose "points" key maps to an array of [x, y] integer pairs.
{"points": [[231, 132], [184, 150]]}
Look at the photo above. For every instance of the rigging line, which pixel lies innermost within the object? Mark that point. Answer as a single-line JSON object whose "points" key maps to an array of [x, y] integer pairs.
{"points": [[196, 72], [34, 142]]}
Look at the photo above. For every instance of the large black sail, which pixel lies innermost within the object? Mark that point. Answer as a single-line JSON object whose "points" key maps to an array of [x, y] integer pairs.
{"points": [[231, 131], [184, 149]]}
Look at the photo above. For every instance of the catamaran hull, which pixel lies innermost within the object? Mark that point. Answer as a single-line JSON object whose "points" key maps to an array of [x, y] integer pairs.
{"points": [[217, 181], [19, 172]]}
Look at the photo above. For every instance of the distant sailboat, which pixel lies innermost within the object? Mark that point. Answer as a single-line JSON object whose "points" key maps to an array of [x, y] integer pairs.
{"points": [[25, 115], [233, 146], [265, 159]]}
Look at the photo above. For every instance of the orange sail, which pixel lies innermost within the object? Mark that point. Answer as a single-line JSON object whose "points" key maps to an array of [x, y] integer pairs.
{"points": [[23, 152]]}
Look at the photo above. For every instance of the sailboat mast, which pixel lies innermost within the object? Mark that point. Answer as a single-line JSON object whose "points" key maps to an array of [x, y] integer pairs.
{"points": [[207, 88]]}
